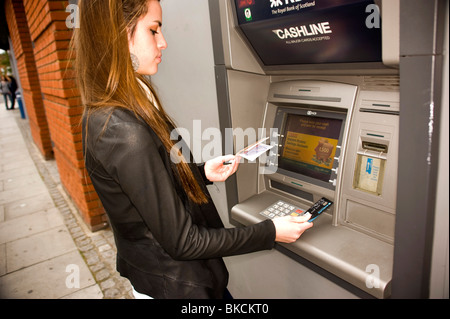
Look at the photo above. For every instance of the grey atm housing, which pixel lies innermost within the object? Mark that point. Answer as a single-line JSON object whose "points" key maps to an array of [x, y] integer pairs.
{"points": [[353, 241]]}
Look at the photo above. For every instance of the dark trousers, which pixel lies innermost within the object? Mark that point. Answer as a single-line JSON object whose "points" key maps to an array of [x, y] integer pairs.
{"points": [[12, 97]]}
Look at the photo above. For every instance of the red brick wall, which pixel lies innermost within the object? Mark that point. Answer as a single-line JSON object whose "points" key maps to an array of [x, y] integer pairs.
{"points": [[51, 37], [32, 96]]}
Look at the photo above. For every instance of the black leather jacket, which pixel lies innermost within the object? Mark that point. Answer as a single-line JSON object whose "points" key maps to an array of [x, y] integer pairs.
{"points": [[167, 246]]}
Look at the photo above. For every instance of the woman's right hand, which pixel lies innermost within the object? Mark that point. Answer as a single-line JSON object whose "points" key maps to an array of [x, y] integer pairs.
{"points": [[289, 229]]}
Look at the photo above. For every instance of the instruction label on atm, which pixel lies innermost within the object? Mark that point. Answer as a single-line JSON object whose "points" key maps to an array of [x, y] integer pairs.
{"points": [[369, 166], [369, 173]]}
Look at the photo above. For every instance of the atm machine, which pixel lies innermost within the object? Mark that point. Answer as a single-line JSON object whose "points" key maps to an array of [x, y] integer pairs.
{"points": [[320, 79]]}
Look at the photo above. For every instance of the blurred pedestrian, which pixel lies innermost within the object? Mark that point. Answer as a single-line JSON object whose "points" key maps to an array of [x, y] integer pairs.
{"points": [[8, 88], [4, 85]]}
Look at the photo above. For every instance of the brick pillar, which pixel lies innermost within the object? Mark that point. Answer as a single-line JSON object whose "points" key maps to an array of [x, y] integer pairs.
{"points": [[51, 38], [32, 96]]}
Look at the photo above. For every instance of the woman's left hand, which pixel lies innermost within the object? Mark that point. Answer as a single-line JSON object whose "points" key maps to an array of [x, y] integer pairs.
{"points": [[216, 171]]}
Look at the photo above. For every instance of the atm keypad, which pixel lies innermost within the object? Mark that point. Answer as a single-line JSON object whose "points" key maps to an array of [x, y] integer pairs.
{"points": [[280, 209]]}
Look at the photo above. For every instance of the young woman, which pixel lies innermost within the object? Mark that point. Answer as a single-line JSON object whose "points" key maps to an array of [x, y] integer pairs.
{"points": [[169, 236]]}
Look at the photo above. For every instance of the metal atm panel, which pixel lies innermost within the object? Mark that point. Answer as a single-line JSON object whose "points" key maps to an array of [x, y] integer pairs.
{"points": [[353, 240], [331, 244], [369, 193]]}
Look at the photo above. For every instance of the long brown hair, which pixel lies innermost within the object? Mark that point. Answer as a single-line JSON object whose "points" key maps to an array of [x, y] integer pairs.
{"points": [[106, 77]]}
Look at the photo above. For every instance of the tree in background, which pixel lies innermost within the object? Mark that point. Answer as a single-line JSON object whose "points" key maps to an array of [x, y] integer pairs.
{"points": [[5, 66]]}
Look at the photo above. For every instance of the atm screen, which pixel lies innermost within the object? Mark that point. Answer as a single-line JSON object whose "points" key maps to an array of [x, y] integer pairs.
{"points": [[309, 145], [295, 32]]}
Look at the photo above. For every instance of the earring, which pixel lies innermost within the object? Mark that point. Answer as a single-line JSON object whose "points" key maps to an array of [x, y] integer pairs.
{"points": [[134, 62]]}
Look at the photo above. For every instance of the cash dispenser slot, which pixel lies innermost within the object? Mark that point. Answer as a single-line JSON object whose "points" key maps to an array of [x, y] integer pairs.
{"points": [[375, 147]]}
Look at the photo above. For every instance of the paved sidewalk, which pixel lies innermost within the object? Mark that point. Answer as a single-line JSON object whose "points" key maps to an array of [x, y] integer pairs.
{"points": [[46, 251]]}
